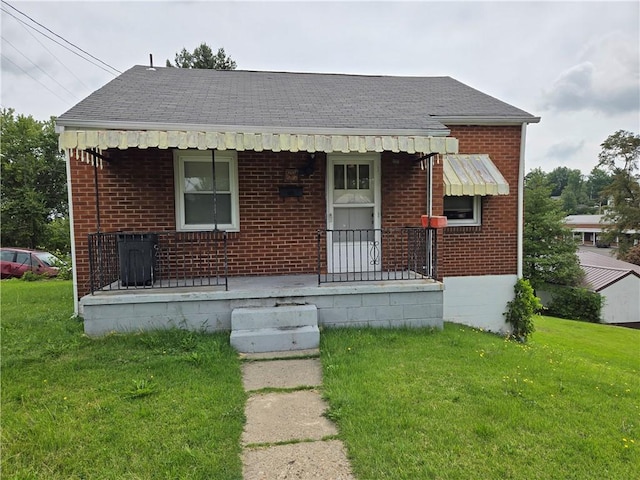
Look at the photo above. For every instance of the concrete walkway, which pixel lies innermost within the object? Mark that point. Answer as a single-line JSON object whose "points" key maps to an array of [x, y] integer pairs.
{"points": [[286, 435]]}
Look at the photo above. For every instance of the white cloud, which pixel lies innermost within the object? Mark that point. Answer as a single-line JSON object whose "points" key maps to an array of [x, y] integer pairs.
{"points": [[606, 80], [565, 149]]}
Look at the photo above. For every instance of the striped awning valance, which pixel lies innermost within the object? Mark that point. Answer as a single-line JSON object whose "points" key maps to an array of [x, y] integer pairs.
{"points": [[276, 142]]}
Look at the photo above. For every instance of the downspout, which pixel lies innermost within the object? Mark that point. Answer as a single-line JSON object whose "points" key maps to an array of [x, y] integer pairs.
{"points": [[213, 188], [523, 138], [76, 306]]}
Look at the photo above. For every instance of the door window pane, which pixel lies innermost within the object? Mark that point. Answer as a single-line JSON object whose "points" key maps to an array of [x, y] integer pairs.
{"points": [[363, 175], [338, 177], [352, 177]]}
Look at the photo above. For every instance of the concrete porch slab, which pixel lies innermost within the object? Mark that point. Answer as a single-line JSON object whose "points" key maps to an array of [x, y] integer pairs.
{"points": [[358, 304], [283, 417]]}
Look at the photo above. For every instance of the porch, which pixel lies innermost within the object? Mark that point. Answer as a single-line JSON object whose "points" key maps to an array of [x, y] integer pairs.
{"points": [[383, 303], [366, 277]]}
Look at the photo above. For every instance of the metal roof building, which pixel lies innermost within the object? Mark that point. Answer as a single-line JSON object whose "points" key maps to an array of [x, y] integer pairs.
{"points": [[617, 281]]}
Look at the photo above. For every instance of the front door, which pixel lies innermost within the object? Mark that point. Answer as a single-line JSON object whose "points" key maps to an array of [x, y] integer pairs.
{"points": [[353, 213]]}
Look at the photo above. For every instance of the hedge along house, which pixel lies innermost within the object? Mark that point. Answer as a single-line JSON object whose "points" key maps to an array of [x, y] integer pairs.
{"points": [[200, 196]]}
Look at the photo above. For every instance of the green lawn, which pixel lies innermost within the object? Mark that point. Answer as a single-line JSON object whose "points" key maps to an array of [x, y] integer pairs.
{"points": [[410, 404], [162, 405], [463, 404]]}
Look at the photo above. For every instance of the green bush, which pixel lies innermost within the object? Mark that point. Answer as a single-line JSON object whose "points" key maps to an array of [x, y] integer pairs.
{"points": [[65, 266], [575, 303], [521, 309], [30, 276]]}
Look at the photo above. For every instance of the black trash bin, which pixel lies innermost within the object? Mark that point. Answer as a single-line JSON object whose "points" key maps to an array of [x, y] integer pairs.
{"points": [[137, 254]]}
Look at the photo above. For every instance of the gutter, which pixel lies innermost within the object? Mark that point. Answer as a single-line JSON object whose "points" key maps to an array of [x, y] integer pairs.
{"points": [[62, 124], [520, 234], [486, 120]]}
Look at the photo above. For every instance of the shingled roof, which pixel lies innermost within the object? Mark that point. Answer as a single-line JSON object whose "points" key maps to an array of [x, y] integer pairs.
{"points": [[235, 100]]}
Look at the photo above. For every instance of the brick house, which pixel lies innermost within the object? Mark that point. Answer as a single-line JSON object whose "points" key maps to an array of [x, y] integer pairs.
{"points": [[195, 193]]}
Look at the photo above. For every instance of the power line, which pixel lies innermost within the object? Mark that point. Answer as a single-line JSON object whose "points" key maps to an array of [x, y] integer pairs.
{"points": [[54, 56], [55, 41], [60, 37], [40, 68], [35, 79]]}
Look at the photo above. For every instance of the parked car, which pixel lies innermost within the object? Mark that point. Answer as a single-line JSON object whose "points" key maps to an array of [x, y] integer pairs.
{"points": [[14, 262]]}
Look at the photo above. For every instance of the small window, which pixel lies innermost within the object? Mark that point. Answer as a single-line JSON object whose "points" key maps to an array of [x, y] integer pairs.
{"points": [[194, 190], [463, 210]]}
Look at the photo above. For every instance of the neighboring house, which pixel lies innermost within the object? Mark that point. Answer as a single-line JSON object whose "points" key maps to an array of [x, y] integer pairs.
{"points": [[196, 193], [617, 281], [588, 230]]}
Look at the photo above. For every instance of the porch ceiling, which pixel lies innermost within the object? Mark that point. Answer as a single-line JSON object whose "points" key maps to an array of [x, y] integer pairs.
{"points": [[472, 175], [276, 142]]}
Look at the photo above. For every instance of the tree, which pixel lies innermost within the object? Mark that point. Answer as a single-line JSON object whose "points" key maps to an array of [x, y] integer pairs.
{"points": [[597, 182], [34, 186], [619, 156], [633, 255], [203, 57], [549, 250]]}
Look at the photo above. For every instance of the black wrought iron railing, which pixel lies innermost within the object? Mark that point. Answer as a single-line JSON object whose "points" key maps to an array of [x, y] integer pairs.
{"points": [[403, 253], [123, 260]]}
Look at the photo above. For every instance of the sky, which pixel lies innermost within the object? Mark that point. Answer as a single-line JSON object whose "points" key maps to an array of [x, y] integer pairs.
{"points": [[574, 64]]}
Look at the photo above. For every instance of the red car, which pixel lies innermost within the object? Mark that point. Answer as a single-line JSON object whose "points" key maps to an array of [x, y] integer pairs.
{"points": [[14, 262]]}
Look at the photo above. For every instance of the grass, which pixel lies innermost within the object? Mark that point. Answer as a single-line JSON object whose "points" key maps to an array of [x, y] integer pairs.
{"points": [[410, 404], [460, 403], [142, 406]]}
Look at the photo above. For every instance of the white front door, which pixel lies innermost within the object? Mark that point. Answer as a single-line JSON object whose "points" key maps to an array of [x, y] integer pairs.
{"points": [[353, 213]]}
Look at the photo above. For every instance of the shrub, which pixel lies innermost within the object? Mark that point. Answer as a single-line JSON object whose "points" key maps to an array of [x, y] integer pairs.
{"points": [[575, 303], [30, 276], [65, 267], [521, 309]]}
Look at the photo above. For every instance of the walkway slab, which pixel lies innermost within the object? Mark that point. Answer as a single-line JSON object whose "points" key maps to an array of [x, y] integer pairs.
{"points": [[282, 374], [299, 461], [282, 417]]}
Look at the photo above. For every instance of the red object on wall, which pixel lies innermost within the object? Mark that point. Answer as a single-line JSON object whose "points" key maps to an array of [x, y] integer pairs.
{"points": [[438, 221]]}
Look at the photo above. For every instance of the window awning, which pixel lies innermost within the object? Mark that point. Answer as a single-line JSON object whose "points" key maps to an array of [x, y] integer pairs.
{"points": [[276, 142], [472, 175]]}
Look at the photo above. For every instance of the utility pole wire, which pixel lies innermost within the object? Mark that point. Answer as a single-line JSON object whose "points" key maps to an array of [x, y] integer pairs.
{"points": [[62, 38], [55, 41], [40, 68], [32, 77], [54, 56]]}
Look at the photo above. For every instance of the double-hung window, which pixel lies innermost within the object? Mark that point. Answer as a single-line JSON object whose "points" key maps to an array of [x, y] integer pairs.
{"points": [[462, 210], [194, 190]]}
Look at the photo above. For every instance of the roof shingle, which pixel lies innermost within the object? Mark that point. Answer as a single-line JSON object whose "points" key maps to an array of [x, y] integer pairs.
{"points": [[306, 101]]}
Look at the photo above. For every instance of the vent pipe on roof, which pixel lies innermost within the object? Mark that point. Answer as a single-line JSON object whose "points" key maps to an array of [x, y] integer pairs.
{"points": [[151, 63]]}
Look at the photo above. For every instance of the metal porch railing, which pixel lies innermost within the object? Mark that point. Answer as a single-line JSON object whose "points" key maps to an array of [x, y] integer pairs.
{"points": [[123, 260], [403, 253]]}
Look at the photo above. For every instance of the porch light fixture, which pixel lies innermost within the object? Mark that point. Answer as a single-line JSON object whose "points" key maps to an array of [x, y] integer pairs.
{"points": [[309, 168]]}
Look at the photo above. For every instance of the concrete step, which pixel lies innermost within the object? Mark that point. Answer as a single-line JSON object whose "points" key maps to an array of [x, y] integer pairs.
{"points": [[275, 329]]}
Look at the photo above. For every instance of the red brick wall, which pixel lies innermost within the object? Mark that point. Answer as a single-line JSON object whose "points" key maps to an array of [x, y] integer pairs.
{"points": [[136, 194], [490, 249], [278, 236]]}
